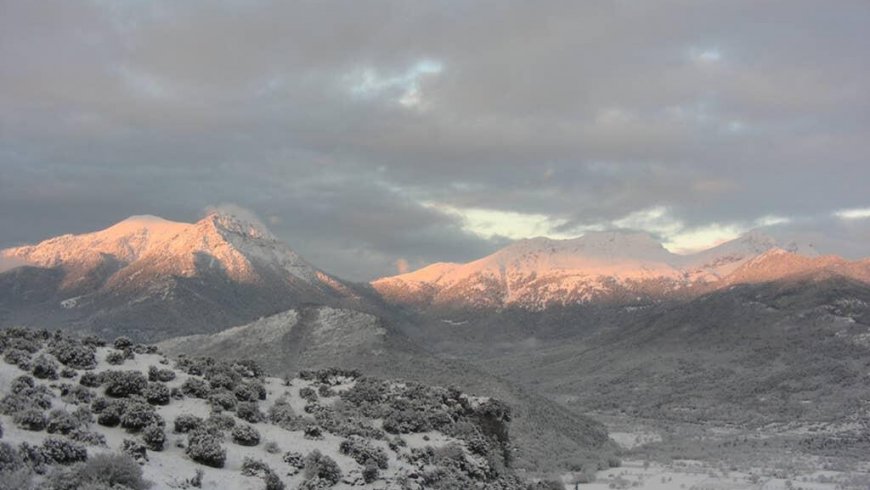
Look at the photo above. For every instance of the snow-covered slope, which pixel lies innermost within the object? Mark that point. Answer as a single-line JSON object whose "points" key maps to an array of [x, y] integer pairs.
{"points": [[201, 276], [540, 272]]}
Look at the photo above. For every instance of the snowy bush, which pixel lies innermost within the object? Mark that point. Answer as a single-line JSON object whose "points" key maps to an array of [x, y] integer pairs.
{"points": [[254, 467], [273, 482], [220, 421], [76, 394], [205, 448], [294, 459], [185, 423], [88, 438], [249, 412], [135, 450], [76, 355], [122, 343], [370, 471], [222, 400], [44, 368], [17, 357], [61, 422], [68, 373], [308, 394], [156, 393], [10, 458], [313, 431], [120, 384], [362, 452], [154, 437], [137, 415], [30, 419], [324, 468], [62, 451], [111, 471], [196, 388], [108, 412], [162, 375], [91, 380], [245, 435], [116, 358], [21, 383]]}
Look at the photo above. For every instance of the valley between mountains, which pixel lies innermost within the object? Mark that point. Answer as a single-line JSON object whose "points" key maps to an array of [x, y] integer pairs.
{"points": [[748, 363]]}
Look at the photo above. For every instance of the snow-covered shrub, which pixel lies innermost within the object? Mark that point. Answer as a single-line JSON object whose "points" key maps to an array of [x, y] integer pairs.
{"points": [[162, 375], [222, 400], [221, 381], [220, 421], [135, 450], [91, 380], [116, 358], [62, 451], [205, 448], [245, 435], [371, 471], [294, 459], [185, 423], [137, 415], [73, 354], [273, 482], [120, 384], [249, 412], [88, 438], [324, 468], [270, 447], [43, 367], [110, 471], [196, 388], [61, 422], [313, 431], [308, 394], [324, 391], [10, 458], [76, 394], [362, 452], [21, 383], [68, 373], [281, 413], [109, 412], [17, 357], [254, 467], [30, 419], [406, 421], [154, 437], [122, 343], [156, 393]]}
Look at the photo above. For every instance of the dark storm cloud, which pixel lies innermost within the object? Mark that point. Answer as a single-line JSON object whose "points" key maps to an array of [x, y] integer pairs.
{"points": [[340, 123]]}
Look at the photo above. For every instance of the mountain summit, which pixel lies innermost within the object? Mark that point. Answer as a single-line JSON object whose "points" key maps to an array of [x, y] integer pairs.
{"points": [[190, 277]]}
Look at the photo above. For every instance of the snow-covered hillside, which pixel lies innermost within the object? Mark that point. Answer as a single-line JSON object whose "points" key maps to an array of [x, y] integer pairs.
{"points": [[206, 423]]}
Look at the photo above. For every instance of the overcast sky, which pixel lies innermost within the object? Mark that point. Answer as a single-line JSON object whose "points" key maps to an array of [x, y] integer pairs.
{"points": [[374, 136]]}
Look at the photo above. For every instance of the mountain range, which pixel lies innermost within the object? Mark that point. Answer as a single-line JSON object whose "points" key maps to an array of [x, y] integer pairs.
{"points": [[616, 266], [754, 329]]}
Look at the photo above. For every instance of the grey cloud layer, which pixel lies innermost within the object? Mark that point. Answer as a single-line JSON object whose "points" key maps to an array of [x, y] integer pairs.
{"points": [[721, 111]]}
